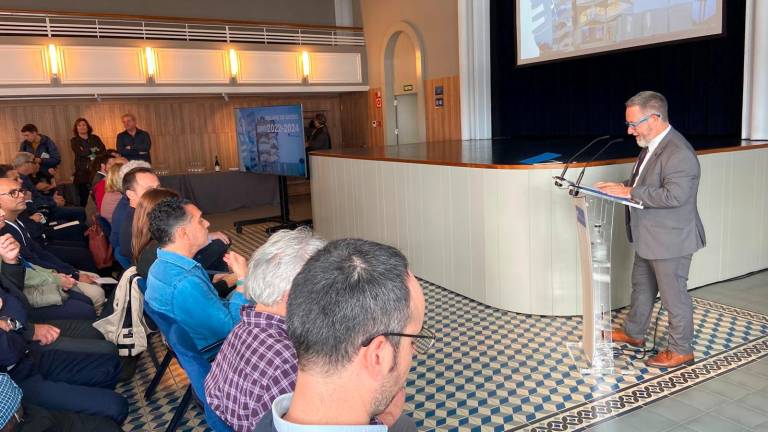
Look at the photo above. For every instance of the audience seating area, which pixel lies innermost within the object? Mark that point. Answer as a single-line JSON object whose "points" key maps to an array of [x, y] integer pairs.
{"points": [[130, 267]]}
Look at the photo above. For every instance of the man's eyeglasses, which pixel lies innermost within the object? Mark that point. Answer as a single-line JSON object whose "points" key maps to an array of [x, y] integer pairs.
{"points": [[14, 193], [423, 341], [634, 125]]}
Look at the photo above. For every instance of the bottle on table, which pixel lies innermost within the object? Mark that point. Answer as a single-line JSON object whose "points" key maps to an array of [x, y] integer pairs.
{"points": [[216, 165]]}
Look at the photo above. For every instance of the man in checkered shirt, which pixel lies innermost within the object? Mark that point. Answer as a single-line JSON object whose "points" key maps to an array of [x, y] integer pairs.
{"points": [[10, 402], [257, 362]]}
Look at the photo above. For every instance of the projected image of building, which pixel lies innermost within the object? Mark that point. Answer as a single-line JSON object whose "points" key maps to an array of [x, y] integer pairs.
{"points": [[553, 25], [569, 25], [599, 21]]}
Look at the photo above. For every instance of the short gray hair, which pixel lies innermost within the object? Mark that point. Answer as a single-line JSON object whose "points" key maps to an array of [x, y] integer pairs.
{"points": [[650, 102], [129, 166], [21, 158], [273, 266]]}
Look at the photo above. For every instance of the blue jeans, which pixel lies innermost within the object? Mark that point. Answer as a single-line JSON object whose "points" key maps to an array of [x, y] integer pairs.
{"points": [[72, 381]]}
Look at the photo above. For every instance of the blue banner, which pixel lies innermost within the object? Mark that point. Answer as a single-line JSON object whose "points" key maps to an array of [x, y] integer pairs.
{"points": [[270, 140]]}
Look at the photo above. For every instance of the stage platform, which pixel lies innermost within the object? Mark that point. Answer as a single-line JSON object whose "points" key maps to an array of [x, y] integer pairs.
{"points": [[472, 218], [509, 153]]}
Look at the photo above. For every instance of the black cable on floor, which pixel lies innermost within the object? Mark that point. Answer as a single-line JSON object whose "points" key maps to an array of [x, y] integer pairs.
{"points": [[641, 353]]}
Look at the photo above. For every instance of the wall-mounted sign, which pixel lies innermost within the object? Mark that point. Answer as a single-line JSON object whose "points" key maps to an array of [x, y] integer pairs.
{"points": [[439, 102], [438, 90], [407, 87]]}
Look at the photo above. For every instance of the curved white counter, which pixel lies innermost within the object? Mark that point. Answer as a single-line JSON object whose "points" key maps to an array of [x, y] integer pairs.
{"points": [[505, 236]]}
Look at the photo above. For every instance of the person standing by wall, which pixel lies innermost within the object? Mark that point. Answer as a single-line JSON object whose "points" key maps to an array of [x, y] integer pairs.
{"points": [[42, 146], [86, 146], [134, 143]]}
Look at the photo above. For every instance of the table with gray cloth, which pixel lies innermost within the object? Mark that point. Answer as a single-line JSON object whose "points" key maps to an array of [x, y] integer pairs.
{"points": [[217, 192]]}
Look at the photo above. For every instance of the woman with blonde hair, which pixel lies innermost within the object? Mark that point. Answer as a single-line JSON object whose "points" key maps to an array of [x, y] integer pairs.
{"points": [[112, 192]]}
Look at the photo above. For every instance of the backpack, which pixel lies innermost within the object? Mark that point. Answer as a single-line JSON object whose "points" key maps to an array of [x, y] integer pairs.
{"points": [[126, 327]]}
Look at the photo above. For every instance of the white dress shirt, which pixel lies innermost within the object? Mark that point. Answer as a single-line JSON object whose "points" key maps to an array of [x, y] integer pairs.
{"points": [[651, 147], [280, 408]]}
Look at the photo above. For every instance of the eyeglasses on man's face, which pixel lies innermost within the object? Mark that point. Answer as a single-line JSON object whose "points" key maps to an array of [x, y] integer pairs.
{"points": [[635, 124], [14, 193], [422, 342]]}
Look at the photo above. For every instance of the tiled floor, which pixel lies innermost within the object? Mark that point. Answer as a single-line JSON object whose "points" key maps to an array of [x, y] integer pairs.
{"points": [[735, 401], [494, 370]]}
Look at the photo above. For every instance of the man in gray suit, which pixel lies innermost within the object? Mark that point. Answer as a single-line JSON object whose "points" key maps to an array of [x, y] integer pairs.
{"points": [[666, 232]]}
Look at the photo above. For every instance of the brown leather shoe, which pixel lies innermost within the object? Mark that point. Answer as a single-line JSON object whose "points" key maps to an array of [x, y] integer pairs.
{"points": [[621, 337], [669, 359]]}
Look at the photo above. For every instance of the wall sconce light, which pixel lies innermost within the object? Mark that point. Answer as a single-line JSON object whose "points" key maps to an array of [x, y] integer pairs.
{"points": [[54, 63], [234, 65], [305, 65], [150, 58]]}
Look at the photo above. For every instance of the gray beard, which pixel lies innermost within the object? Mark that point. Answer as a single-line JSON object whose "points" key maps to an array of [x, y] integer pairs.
{"points": [[641, 142]]}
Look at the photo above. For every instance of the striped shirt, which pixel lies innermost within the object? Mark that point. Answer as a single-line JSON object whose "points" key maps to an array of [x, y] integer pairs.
{"points": [[256, 364]]}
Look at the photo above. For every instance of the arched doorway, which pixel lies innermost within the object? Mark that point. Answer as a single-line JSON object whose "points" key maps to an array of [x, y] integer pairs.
{"points": [[403, 61]]}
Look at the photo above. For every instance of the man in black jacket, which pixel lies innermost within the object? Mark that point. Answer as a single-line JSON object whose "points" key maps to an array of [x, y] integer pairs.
{"points": [[16, 415], [53, 379], [54, 205], [67, 335], [134, 143], [60, 257]]}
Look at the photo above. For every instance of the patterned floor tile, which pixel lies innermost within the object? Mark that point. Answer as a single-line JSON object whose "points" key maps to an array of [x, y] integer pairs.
{"points": [[492, 370]]}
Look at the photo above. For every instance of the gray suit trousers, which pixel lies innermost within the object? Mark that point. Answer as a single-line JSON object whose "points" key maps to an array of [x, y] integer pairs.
{"points": [[670, 278]]}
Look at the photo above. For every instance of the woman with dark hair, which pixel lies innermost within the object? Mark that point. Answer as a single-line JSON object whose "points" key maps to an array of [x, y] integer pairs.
{"points": [[87, 146], [144, 251], [144, 247]]}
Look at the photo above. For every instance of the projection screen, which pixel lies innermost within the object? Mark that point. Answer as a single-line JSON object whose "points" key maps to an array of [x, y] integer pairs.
{"points": [[556, 29]]}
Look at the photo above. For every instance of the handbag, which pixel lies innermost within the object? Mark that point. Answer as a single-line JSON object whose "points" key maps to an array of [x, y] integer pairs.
{"points": [[99, 245]]}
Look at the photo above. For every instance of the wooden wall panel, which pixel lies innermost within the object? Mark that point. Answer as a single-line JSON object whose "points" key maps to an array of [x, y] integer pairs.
{"points": [[375, 134], [443, 123], [354, 127], [184, 130]]}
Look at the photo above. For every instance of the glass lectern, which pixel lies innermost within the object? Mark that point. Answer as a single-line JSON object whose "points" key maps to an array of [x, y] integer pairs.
{"points": [[594, 223]]}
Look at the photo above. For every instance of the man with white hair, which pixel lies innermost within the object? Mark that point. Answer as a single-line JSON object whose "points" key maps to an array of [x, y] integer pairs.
{"points": [[257, 362], [27, 165]]}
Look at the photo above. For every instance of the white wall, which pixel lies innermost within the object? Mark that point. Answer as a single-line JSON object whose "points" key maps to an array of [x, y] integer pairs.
{"points": [[101, 69], [755, 101]]}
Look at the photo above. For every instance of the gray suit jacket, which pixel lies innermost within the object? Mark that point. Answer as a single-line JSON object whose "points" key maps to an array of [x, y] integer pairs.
{"points": [[669, 226]]}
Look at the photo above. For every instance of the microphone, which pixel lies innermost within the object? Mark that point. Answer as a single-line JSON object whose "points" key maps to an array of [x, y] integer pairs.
{"points": [[581, 174], [561, 177]]}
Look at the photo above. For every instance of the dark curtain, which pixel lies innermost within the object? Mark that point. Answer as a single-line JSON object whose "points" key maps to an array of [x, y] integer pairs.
{"points": [[702, 80]]}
